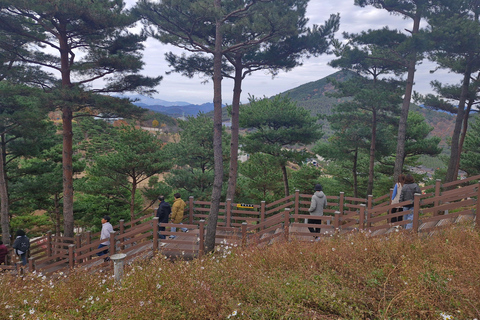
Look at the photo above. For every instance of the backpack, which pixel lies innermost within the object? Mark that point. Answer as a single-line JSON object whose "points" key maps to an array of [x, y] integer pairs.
{"points": [[23, 244]]}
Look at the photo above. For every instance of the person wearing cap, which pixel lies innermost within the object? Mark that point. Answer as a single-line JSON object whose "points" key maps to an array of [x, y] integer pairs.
{"points": [[318, 203], [105, 234]]}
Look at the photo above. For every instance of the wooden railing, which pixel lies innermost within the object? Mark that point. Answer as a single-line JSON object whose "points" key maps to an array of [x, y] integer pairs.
{"points": [[263, 223]]}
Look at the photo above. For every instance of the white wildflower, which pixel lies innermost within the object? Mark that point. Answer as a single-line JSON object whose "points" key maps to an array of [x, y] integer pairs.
{"points": [[32, 311], [445, 316], [159, 286]]}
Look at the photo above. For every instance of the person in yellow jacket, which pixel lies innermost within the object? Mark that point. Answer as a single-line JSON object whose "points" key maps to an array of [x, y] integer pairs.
{"points": [[178, 208]]}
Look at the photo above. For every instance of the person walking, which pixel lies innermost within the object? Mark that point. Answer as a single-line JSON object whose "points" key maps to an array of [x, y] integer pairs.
{"points": [[105, 234], [318, 203], [408, 193], [397, 190], [21, 246], [163, 212], [178, 208]]}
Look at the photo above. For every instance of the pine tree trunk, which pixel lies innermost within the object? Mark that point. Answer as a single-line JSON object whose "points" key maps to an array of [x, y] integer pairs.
{"points": [[285, 180], [372, 152], [452, 170], [402, 125], [355, 177], [217, 138], [5, 215], [67, 164], [57, 214], [233, 170]]}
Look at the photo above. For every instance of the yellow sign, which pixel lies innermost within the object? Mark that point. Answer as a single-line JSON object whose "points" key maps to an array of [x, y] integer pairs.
{"points": [[244, 205]]}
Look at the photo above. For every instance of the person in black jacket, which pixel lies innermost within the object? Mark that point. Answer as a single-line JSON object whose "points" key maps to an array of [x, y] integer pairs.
{"points": [[21, 246], [163, 212], [408, 193]]}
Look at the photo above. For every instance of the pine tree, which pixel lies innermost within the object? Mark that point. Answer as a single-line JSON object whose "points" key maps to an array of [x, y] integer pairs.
{"points": [[83, 41]]}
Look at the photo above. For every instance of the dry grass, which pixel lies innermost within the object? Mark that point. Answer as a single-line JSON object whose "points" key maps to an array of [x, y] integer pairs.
{"points": [[347, 277]]}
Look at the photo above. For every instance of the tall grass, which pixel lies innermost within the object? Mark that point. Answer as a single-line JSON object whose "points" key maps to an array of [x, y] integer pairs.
{"points": [[402, 276]]}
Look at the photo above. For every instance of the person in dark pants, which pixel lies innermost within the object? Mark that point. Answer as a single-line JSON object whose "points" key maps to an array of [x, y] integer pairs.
{"points": [[318, 203], [21, 246], [163, 213], [105, 235]]}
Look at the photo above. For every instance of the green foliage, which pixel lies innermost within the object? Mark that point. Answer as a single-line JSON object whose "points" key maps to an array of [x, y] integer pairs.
{"points": [[36, 225], [470, 161], [304, 178], [278, 123], [193, 157], [133, 157], [259, 179]]}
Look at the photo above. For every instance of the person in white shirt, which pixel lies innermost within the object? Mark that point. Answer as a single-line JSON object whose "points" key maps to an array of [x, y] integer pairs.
{"points": [[105, 234]]}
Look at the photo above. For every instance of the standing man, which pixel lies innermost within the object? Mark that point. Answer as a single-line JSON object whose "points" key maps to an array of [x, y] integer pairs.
{"points": [[163, 212], [105, 234], [318, 203], [21, 246], [178, 208]]}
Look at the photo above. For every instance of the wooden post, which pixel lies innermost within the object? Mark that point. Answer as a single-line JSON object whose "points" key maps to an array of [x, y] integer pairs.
{"points": [[369, 201], [361, 219], [122, 231], [438, 188], [49, 243], [336, 220], [341, 202], [190, 209], [228, 212], [369, 206], [112, 243], [297, 203], [286, 223], [416, 211], [31, 264], [78, 244], [262, 211], [244, 233], [88, 241], [201, 244], [155, 235], [71, 260]]}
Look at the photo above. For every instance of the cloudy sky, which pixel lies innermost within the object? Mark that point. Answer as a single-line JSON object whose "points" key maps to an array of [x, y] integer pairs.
{"points": [[175, 87]]}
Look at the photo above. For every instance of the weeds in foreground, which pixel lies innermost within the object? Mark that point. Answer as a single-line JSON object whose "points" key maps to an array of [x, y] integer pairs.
{"points": [[402, 276]]}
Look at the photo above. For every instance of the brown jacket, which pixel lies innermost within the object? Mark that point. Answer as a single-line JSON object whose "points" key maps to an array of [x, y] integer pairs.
{"points": [[178, 207]]}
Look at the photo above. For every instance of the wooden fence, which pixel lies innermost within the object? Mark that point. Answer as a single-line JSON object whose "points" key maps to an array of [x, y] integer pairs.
{"points": [[260, 224]]}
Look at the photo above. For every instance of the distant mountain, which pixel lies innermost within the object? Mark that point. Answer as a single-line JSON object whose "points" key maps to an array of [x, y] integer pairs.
{"points": [[143, 100], [173, 109], [177, 111]]}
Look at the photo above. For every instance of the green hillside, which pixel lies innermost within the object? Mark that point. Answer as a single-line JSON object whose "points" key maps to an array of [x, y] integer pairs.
{"points": [[313, 96]]}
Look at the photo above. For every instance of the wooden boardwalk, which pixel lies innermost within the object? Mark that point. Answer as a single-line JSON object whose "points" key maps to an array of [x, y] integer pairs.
{"points": [[260, 225]]}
